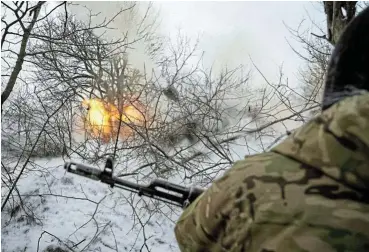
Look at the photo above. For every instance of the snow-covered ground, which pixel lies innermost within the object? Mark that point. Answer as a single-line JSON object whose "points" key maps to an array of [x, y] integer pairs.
{"points": [[87, 213]]}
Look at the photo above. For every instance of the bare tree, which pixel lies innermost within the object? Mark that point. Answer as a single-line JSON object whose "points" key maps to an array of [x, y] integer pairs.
{"points": [[37, 117], [318, 44], [63, 60], [20, 13]]}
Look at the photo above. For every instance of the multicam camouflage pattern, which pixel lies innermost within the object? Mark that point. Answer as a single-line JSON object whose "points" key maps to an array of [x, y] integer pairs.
{"points": [[310, 193]]}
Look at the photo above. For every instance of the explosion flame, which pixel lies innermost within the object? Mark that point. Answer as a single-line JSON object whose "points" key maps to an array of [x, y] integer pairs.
{"points": [[102, 119]]}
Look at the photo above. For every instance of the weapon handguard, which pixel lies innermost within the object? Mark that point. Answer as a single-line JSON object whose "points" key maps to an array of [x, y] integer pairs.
{"points": [[177, 195]]}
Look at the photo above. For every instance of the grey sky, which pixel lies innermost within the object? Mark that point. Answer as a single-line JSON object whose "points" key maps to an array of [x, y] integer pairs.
{"points": [[230, 31]]}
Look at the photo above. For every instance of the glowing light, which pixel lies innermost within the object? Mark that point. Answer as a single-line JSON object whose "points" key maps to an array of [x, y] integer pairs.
{"points": [[103, 119]]}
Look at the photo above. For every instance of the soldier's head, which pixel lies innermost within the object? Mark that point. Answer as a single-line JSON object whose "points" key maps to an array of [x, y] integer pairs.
{"points": [[348, 69]]}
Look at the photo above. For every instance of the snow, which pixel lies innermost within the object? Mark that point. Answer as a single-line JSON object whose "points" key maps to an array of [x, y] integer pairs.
{"points": [[70, 219]]}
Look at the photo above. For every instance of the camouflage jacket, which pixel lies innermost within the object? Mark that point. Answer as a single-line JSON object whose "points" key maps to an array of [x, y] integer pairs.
{"points": [[309, 193]]}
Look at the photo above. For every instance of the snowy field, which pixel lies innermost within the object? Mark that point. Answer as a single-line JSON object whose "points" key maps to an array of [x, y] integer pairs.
{"points": [[86, 215]]}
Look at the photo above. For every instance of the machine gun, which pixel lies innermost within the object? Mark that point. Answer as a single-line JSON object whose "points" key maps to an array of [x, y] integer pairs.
{"points": [[177, 195]]}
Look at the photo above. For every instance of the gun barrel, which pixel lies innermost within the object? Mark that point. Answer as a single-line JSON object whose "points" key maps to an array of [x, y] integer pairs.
{"points": [[83, 170], [97, 174], [176, 193], [168, 185]]}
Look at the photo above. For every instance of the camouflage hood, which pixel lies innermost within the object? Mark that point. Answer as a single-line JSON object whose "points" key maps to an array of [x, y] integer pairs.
{"points": [[343, 153]]}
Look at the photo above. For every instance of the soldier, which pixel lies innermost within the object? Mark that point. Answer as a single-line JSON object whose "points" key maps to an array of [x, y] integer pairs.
{"points": [[309, 193]]}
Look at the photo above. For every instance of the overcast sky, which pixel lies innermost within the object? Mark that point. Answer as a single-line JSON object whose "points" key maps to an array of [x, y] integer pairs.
{"points": [[233, 31]]}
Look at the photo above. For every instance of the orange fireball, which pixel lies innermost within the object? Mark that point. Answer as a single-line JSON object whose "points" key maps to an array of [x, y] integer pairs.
{"points": [[103, 119]]}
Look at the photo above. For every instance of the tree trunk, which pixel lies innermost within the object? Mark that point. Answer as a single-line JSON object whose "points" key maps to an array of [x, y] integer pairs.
{"points": [[337, 20], [22, 53]]}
